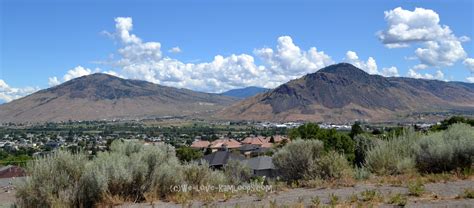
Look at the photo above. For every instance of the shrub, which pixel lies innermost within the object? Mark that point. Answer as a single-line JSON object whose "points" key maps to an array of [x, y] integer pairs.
{"points": [[398, 200], [306, 159], [294, 159], [188, 154], [393, 156], [237, 172], [361, 173], [446, 151], [416, 188], [331, 166], [195, 174], [53, 181], [129, 171], [332, 140], [363, 143]]}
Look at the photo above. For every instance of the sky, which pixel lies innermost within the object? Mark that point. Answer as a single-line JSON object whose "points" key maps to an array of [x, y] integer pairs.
{"points": [[214, 46]]}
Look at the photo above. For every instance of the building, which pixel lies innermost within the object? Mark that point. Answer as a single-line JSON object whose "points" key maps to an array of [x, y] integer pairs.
{"points": [[261, 166]]}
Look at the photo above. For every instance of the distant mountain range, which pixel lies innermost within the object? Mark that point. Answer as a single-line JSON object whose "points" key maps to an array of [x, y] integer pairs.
{"points": [[102, 96], [342, 92], [245, 92], [337, 93]]}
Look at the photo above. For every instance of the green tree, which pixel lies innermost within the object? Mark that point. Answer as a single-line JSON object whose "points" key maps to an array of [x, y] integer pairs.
{"points": [[356, 129], [188, 154]]}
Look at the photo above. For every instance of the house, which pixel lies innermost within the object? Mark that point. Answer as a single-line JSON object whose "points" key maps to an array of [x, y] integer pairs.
{"points": [[200, 144], [220, 158], [250, 150], [11, 171], [261, 166], [225, 143]]}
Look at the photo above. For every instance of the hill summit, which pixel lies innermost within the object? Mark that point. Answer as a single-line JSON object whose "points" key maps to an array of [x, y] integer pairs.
{"points": [[343, 92], [104, 97]]}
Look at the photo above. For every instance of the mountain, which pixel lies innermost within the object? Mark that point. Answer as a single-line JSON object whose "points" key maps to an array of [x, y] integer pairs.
{"points": [[101, 96], [342, 93], [245, 92]]}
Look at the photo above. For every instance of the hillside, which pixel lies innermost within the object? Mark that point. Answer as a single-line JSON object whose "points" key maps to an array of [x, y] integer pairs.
{"points": [[245, 92], [102, 96], [342, 92]]}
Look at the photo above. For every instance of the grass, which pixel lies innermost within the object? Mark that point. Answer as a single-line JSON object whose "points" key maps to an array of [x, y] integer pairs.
{"points": [[467, 194], [398, 200], [371, 196], [416, 188], [333, 199]]}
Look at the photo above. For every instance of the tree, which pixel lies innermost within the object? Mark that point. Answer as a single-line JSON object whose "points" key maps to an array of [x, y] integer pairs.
{"points": [[187, 154], [355, 130]]}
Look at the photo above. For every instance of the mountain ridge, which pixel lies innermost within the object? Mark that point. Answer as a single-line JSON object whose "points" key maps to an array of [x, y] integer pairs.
{"points": [[101, 96], [342, 92]]}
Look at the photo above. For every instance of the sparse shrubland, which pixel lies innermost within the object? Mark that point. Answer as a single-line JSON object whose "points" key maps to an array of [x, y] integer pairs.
{"points": [[130, 171], [134, 172], [392, 156], [307, 160], [447, 150]]}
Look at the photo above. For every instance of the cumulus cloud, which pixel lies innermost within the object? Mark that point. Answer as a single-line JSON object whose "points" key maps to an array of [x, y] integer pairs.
{"points": [[469, 62], [53, 81], [291, 60], [390, 72], [8, 93], [175, 50], [76, 72], [144, 60], [370, 66], [437, 75], [439, 46]]}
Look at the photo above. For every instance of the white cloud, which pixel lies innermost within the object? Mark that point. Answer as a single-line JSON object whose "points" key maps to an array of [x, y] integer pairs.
{"points": [[470, 79], [413, 74], [440, 47], [175, 50], [289, 59], [78, 71], [8, 93], [469, 62], [390, 72], [144, 60], [370, 66], [53, 81], [123, 26]]}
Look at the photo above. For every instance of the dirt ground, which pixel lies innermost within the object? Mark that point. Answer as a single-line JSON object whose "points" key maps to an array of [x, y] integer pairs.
{"points": [[446, 196]]}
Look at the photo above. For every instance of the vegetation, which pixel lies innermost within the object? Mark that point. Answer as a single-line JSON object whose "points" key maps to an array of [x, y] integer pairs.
{"points": [[306, 159], [237, 172], [447, 150], [187, 154], [332, 139], [392, 156]]}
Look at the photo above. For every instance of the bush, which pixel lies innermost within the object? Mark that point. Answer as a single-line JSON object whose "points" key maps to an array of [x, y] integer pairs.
{"points": [[363, 143], [187, 154], [199, 174], [332, 139], [53, 181], [392, 156], [237, 172], [446, 151], [294, 159], [129, 171], [306, 159]]}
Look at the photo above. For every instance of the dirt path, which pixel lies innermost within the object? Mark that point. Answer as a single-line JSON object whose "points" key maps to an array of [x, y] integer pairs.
{"points": [[446, 196]]}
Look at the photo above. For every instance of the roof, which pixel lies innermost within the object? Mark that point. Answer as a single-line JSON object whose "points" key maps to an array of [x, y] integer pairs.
{"points": [[260, 163], [229, 143], [254, 140], [200, 144], [222, 157], [249, 147]]}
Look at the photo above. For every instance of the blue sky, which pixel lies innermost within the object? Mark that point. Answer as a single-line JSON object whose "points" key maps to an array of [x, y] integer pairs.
{"points": [[44, 43]]}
